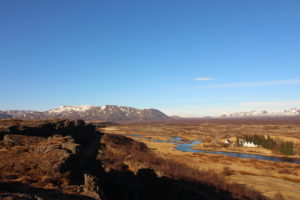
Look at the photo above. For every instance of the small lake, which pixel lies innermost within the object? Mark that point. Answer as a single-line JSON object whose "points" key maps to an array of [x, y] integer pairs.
{"points": [[187, 147]]}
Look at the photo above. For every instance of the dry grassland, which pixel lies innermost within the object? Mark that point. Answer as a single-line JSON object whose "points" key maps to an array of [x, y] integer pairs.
{"points": [[276, 180]]}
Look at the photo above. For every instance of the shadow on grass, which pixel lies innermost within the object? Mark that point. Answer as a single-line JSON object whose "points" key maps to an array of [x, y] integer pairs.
{"points": [[125, 185]]}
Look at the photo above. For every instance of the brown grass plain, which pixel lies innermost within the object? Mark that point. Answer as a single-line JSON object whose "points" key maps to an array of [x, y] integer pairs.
{"points": [[276, 180]]}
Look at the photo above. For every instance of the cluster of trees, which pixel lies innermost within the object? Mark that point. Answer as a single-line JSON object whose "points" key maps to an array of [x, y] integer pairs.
{"points": [[269, 143], [287, 148]]}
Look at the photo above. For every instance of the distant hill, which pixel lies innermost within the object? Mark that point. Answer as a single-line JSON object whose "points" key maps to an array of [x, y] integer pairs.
{"points": [[286, 113], [4, 115], [175, 117], [92, 113]]}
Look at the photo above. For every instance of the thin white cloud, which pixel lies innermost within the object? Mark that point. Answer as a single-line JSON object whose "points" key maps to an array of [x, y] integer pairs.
{"points": [[203, 79], [252, 84]]}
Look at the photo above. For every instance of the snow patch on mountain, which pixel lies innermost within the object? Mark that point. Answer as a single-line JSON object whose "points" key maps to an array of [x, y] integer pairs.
{"points": [[254, 113], [61, 109]]}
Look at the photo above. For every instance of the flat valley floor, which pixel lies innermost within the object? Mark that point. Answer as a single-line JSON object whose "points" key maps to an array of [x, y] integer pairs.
{"points": [[268, 177]]}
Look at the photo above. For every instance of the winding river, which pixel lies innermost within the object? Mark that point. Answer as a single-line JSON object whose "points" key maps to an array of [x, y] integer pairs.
{"points": [[187, 147]]}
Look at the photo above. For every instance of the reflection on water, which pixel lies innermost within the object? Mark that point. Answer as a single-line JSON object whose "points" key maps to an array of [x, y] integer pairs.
{"points": [[187, 147]]}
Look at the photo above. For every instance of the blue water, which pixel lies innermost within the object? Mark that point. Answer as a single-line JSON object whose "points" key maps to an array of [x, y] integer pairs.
{"points": [[187, 147], [175, 139]]}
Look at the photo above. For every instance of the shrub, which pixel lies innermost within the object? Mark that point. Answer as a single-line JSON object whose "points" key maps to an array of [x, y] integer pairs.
{"points": [[284, 171], [287, 148], [278, 196], [227, 171]]}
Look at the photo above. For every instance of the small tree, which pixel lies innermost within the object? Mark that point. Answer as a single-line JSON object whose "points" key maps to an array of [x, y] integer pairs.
{"points": [[238, 142], [269, 143], [287, 148]]}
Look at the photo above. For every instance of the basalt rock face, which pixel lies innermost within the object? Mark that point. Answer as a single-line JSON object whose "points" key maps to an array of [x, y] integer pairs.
{"points": [[82, 133], [48, 159], [12, 196]]}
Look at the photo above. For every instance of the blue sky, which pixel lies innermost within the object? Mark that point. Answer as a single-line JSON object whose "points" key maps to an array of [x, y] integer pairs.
{"points": [[188, 57]]}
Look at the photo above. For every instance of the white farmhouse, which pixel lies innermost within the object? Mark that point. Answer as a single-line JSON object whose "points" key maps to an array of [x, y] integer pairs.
{"points": [[248, 144]]}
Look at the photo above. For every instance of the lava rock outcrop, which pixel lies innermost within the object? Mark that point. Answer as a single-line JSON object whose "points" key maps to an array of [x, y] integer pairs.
{"points": [[49, 159]]}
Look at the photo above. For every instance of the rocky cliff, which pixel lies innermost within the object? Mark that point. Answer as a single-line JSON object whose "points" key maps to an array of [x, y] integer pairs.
{"points": [[51, 159]]}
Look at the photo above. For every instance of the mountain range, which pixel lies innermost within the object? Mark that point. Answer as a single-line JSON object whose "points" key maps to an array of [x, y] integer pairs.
{"points": [[91, 113], [285, 113], [124, 113]]}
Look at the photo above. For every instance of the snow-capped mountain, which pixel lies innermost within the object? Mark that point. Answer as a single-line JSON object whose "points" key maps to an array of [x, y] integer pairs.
{"points": [[4, 115], [289, 112], [292, 111], [25, 114], [86, 112], [70, 108]]}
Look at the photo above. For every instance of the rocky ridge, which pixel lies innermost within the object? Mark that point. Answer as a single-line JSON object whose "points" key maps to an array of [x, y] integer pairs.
{"points": [[49, 159]]}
